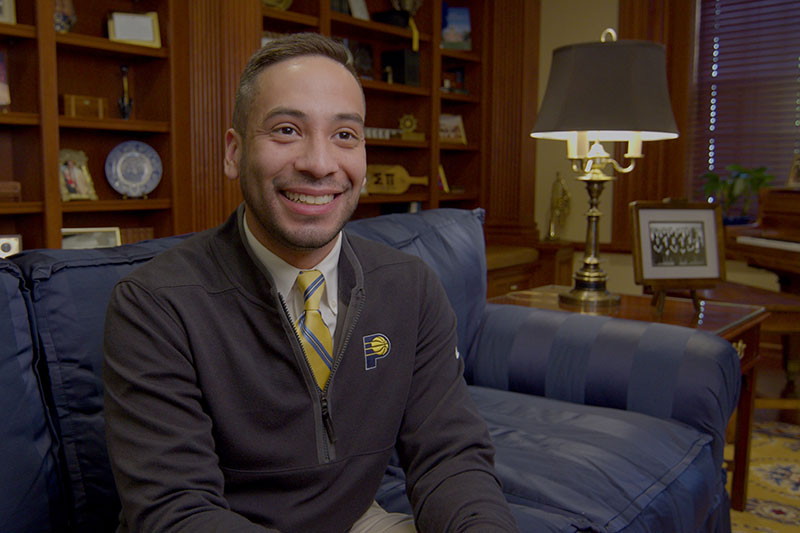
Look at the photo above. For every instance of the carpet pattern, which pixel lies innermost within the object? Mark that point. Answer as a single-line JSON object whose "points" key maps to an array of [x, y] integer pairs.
{"points": [[773, 491]]}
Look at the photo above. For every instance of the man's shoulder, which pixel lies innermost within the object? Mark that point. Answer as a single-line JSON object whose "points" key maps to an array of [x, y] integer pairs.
{"points": [[373, 254], [186, 262]]}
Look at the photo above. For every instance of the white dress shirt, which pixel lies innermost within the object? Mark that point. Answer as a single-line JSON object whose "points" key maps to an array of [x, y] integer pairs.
{"points": [[285, 277]]}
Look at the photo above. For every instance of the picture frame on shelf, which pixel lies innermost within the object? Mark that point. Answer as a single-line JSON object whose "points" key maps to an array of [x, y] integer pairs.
{"points": [[456, 28], [794, 172], [10, 245], [677, 243], [358, 9], [134, 28], [5, 89], [283, 5], [8, 12], [83, 238], [451, 129], [74, 180]]}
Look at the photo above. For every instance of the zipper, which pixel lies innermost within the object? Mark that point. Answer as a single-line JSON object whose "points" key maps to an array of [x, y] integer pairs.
{"points": [[327, 421]]}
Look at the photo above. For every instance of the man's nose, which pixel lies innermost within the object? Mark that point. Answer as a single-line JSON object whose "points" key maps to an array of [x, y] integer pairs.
{"points": [[317, 158]]}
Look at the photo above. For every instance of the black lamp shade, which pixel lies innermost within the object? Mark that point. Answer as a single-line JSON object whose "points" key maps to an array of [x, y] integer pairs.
{"points": [[618, 86]]}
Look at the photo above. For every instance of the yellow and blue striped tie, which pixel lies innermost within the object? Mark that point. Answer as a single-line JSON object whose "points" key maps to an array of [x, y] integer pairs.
{"points": [[314, 334]]}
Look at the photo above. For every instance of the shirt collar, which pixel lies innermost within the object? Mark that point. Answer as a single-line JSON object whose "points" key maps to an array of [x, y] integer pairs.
{"points": [[284, 275]]}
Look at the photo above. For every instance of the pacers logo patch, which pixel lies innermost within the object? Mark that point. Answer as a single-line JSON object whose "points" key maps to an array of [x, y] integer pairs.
{"points": [[376, 346]]}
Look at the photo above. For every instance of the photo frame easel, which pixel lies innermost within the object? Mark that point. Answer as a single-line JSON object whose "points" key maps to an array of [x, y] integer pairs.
{"points": [[677, 245]]}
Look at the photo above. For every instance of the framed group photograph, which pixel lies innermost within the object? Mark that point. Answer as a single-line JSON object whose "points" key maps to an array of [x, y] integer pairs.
{"points": [[83, 238], [74, 180], [677, 243]]}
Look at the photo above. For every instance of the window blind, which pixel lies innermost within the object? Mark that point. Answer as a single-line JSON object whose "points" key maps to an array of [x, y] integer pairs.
{"points": [[747, 104]]}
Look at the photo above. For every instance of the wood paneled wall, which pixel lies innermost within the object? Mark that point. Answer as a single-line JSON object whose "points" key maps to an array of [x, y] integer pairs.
{"points": [[513, 84], [664, 170], [223, 36]]}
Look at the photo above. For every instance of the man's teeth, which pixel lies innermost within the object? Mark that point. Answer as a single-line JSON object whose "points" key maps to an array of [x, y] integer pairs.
{"points": [[308, 199]]}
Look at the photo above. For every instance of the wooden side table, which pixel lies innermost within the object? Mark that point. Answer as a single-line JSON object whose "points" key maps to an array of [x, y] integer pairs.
{"points": [[513, 268], [737, 323]]}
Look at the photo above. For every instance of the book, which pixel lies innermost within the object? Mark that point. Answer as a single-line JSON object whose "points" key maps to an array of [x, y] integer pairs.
{"points": [[456, 28]]}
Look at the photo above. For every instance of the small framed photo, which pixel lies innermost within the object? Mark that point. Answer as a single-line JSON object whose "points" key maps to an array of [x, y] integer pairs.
{"points": [[5, 90], [135, 28], [8, 12], [358, 9], [10, 245], [677, 243], [83, 238], [451, 129], [74, 180], [794, 172]]}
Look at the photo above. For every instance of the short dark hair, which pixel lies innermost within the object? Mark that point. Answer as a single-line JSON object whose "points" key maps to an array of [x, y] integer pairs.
{"points": [[281, 49]]}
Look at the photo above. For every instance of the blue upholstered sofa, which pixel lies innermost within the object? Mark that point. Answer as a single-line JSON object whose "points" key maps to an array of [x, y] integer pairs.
{"points": [[600, 424]]}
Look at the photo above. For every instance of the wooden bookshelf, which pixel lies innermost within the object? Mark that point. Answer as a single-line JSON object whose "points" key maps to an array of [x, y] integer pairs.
{"points": [[388, 102], [41, 66]]}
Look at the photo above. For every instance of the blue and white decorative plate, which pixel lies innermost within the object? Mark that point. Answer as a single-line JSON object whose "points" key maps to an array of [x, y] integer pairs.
{"points": [[133, 169]]}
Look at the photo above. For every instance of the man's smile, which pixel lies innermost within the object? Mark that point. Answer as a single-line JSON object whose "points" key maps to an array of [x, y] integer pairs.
{"points": [[309, 199]]}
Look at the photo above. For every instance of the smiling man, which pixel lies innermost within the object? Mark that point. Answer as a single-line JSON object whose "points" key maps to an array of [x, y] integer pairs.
{"points": [[260, 375]]}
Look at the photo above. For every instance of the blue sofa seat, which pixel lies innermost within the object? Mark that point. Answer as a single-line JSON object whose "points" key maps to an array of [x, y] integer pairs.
{"points": [[600, 424]]}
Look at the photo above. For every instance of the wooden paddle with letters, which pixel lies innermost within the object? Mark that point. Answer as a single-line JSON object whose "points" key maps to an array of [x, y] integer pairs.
{"points": [[391, 179]]}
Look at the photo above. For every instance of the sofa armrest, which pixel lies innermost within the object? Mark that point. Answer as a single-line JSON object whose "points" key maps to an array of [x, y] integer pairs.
{"points": [[656, 369]]}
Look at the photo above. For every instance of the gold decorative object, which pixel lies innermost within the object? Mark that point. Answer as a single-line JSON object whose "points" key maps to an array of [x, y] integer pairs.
{"points": [[559, 208], [391, 179], [411, 6], [408, 125]]}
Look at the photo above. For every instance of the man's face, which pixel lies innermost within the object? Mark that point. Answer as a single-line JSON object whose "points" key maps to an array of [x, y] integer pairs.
{"points": [[302, 161]]}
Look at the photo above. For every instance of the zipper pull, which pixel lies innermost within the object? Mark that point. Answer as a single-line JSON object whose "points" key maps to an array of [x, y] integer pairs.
{"points": [[326, 418]]}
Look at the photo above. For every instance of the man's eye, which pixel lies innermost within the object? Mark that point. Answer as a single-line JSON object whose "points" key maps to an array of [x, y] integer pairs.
{"points": [[286, 130], [347, 136]]}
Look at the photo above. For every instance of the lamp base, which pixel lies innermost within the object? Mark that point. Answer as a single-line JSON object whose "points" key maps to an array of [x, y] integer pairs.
{"points": [[589, 298]]}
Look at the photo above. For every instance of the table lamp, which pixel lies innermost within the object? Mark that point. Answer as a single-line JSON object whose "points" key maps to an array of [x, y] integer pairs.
{"points": [[604, 91]]}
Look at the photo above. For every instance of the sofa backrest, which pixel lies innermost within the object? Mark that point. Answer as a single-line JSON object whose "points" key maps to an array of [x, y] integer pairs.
{"points": [[63, 300], [69, 292], [451, 242], [30, 495]]}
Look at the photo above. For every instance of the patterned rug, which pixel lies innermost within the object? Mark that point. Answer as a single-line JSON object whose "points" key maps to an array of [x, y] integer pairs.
{"points": [[773, 491]]}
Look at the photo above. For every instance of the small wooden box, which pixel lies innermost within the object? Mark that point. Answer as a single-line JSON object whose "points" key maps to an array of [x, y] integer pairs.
{"points": [[76, 105], [10, 191]]}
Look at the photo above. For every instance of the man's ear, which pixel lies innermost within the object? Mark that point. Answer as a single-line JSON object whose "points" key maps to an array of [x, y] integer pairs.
{"points": [[233, 153]]}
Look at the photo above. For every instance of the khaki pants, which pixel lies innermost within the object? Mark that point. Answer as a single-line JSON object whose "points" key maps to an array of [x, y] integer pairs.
{"points": [[376, 520]]}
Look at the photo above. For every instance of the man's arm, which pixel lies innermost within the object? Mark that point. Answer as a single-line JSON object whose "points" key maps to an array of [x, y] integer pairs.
{"points": [[444, 443], [159, 437]]}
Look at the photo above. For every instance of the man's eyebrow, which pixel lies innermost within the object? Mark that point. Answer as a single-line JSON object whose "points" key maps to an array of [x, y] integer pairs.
{"points": [[353, 117], [284, 111], [288, 111]]}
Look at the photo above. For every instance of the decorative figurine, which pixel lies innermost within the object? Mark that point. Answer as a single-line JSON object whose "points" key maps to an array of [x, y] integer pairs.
{"points": [[64, 17], [559, 208], [125, 101]]}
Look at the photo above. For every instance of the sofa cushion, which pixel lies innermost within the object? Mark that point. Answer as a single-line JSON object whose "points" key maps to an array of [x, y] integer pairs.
{"points": [[451, 242], [70, 290], [570, 467], [28, 473]]}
